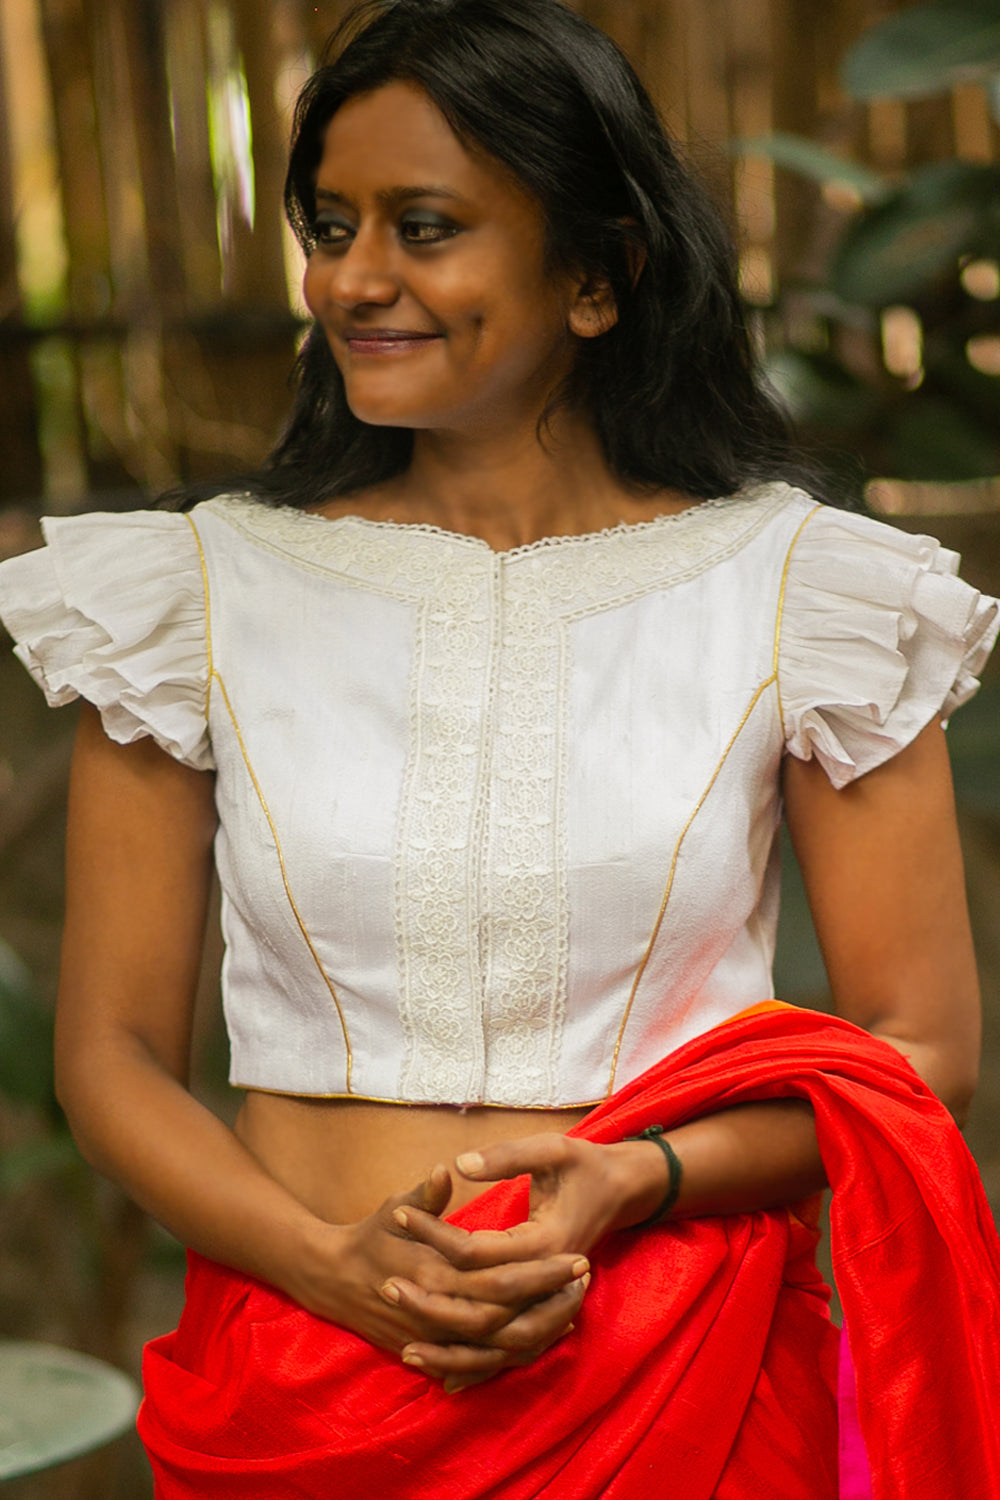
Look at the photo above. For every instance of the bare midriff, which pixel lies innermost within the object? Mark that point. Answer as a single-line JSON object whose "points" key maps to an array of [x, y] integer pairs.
{"points": [[342, 1157]]}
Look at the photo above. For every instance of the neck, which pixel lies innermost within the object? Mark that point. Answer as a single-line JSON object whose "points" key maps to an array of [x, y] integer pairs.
{"points": [[513, 488]]}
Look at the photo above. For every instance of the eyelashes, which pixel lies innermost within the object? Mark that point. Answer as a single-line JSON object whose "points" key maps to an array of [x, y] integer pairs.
{"points": [[333, 233]]}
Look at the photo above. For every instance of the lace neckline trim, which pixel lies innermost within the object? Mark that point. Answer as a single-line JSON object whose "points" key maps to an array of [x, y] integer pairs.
{"points": [[265, 517]]}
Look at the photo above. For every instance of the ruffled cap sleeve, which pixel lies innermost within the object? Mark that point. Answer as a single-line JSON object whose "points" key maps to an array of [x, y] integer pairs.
{"points": [[113, 610], [878, 636]]}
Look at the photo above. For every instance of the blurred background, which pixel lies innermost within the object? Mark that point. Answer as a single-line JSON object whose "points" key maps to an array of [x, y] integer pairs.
{"points": [[149, 314]]}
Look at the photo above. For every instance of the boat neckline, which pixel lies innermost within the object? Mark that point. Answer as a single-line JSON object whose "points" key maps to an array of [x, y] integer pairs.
{"points": [[465, 539]]}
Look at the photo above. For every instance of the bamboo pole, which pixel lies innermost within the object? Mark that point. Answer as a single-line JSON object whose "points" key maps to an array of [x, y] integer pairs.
{"points": [[21, 473]]}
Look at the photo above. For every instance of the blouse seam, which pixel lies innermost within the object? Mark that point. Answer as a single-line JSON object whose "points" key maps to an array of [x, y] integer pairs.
{"points": [[644, 961], [780, 612], [208, 613], [285, 882]]}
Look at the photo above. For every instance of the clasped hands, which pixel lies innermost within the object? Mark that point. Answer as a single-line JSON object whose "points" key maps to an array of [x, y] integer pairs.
{"points": [[462, 1306]]}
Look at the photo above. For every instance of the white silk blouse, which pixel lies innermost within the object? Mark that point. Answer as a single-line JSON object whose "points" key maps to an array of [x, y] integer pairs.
{"points": [[496, 827]]}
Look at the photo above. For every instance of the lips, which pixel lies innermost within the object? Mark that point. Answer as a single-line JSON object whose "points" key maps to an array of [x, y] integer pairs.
{"points": [[375, 341]]}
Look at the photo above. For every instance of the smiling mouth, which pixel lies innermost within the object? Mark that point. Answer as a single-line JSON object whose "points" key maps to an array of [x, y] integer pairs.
{"points": [[386, 340]]}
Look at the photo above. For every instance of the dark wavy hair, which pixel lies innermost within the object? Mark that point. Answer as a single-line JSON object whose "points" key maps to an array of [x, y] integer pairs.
{"points": [[672, 389]]}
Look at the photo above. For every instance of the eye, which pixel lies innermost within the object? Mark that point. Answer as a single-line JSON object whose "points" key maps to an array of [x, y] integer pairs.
{"points": [[426, 229], [329, 231]]}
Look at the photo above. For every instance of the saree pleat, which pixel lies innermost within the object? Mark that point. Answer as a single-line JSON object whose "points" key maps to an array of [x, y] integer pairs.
{"points": [[703, 1361]]}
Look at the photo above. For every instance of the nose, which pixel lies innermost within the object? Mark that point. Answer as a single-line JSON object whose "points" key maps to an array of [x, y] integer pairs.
{"points": [[361, 273]]}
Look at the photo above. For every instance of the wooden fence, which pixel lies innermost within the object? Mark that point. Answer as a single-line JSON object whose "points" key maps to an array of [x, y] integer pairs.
{"points": [[148, 289]]}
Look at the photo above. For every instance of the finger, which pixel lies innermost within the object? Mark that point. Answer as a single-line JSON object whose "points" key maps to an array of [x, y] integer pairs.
{"points": [[482, 1247], [533, 1154], [539, 1326], [455, 1383], [430, 1197], [456, 1302], [459, 1365], [493, 1300], [438, 1361]]}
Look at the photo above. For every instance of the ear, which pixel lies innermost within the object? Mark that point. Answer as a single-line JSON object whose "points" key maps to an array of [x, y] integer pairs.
{"points": [[595, 310]]}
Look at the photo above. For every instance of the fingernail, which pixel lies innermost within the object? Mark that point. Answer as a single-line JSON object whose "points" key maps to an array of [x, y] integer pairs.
{"points": [[471, 1164], [401, 1217], [585, 1281], [411, 1357], [580, 1266], [452, 1385], [390, 1291]]}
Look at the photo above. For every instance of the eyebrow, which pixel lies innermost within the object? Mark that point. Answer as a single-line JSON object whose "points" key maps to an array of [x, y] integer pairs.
{"points": [[392, 197]]}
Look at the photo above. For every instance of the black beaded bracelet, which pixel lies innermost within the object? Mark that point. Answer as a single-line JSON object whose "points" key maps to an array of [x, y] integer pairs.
{"points": [[655, 1133]]}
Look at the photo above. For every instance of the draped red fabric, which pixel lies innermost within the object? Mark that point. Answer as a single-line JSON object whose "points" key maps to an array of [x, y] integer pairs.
{"points": [[703, 1362]]}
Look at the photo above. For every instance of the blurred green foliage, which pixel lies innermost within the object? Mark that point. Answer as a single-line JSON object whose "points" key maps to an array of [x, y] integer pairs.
{"points": [[26, 1080], [903, 243]]}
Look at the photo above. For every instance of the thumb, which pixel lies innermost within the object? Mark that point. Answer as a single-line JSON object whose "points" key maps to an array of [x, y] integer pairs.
{"points": [[432, 1195]]}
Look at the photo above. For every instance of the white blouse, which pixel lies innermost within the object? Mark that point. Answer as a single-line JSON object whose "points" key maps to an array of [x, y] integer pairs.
{"points": [[496, 827]]}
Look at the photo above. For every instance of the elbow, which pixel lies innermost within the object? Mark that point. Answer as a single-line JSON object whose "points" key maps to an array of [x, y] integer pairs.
{"points": [[89, 1087], [958, 1096], [72, 1100], [953, 1075], [949, 1071]]}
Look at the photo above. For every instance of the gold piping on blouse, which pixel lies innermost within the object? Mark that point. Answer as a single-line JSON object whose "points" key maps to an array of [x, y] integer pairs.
{"points": [[773, 679], [213, 676], [781, 605], [673, 870], [256, 1088], [284, 877], [208, 613]]}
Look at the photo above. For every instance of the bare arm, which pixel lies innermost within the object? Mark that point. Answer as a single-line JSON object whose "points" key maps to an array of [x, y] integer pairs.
{"points": [[883, 872], [139, 864]]}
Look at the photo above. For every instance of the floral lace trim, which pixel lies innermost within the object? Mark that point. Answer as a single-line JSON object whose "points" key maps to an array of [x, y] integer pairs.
{"points": [[436, 855], [526, 923], [481, 900], [582, 573]]}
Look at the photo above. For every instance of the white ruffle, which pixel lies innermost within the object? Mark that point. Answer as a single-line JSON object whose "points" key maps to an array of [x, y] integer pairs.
{"points": [[878, 636], [113, 610]]}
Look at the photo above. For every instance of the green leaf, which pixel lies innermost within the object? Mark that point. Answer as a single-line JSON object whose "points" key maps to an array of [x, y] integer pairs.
{"points": [[25, 1164], [892, 252], [924, 50], [932, 438], [26, 1031], [818, 392], [799, 154]]}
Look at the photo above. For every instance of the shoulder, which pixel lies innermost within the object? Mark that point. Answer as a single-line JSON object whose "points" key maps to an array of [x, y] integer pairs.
{"points": [[113, 609], [878, 635]]}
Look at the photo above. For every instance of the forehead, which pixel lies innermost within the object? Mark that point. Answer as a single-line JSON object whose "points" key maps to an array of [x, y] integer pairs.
{"points": [[396, 137]]}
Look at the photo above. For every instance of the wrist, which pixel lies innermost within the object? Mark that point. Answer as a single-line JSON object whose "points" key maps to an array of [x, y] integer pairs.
{"points": [[308, 1263], [645, 1181]]}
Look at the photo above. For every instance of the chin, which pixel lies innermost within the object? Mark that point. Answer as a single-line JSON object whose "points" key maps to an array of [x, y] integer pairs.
{"points": [[383, 411]]}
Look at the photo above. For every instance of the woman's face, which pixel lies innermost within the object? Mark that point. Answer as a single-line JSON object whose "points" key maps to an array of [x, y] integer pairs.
{"points": [[430, 278]]}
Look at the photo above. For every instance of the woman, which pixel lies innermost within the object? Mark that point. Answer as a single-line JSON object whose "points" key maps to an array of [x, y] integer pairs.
{"points": [[496, 695]]}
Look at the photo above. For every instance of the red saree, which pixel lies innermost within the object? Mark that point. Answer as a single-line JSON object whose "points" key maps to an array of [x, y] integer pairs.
{"points": [[703, 1362]]}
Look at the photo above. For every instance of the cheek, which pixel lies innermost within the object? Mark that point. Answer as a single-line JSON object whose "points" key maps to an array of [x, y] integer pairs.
{"points": [[310, 286], [316, 281]]}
